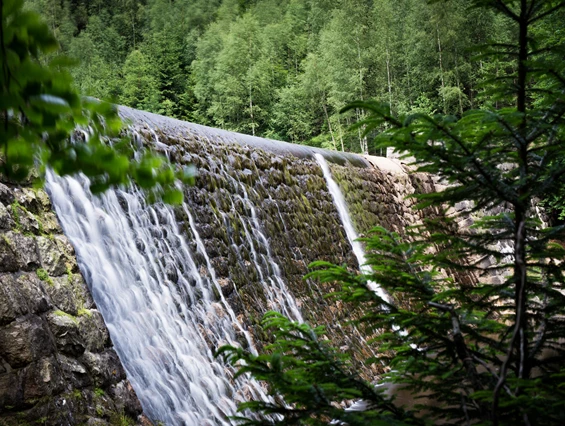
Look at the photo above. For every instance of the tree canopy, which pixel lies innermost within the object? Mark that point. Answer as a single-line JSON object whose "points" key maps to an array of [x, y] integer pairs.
{"points": [[45, 122], [280, 69]]}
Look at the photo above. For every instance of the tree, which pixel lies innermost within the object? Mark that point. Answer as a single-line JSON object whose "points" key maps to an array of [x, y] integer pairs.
{"points": [[141, 88], [468, 349], [40, 109]]}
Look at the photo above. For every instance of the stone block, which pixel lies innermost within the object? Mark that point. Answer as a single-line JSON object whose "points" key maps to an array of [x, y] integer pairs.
{"points": [[36, 201], [125, 398], [6, 195], [11, 390], [34, 291], [94, 331], [18, 252], [66, 332], [74, 373], [12, 301], [105, 367], [81, 292], [20, 296], [52, 257], [6, 221], [8, 258], [42, 378], [24, 341], [27, 222], [62, 296], [51, 223]]}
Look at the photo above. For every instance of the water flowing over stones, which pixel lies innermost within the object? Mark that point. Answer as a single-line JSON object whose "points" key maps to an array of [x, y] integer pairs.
{"points": [[352, 236], [174, 284], [159, 305]]}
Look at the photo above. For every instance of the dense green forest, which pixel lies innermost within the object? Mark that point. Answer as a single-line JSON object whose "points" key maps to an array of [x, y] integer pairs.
{"points": [[281, 69]]}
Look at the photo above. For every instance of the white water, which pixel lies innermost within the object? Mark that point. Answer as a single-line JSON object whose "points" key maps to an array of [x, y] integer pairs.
{"points": [[158, 304], [352, 236]]}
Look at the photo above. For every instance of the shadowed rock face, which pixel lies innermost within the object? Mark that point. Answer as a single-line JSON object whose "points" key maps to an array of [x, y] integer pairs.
{"points": [[57, 363]]}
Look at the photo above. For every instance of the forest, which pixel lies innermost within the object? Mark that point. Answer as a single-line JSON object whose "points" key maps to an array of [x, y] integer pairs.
{"points": [[281, 69]]}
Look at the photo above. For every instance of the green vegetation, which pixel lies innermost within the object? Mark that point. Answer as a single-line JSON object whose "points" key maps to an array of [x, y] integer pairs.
{"points": [[44, 276], [280, 68], [464, 348], [84, 312], [60, 313], [120, 419], [16, 214], [40, 109]]}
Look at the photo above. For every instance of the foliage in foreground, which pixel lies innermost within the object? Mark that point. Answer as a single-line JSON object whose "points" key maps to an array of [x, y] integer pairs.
{"points": [[469, 349], [40, 110]]}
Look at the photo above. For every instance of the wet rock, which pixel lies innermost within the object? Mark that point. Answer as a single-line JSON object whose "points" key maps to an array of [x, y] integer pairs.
{"points": [[24, 341], [105, 367], [93, 331], [42, 378], [61, 293], [221, 266], [66, 333], [171, 271], [52, 259]]}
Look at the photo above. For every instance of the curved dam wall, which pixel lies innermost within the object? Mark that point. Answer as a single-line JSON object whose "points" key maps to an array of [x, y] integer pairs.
{"points": [[173, 284]]}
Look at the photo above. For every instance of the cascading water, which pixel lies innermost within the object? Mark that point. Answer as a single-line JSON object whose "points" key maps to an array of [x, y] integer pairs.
{"points": [[352, 236], [161, 308], [174, 284]]}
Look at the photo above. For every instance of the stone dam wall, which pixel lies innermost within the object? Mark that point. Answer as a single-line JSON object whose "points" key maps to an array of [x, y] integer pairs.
{"points": [[261, 210]]}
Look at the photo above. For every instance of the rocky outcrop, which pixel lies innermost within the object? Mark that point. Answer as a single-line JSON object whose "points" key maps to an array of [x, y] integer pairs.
{"points": [[57, 363]]}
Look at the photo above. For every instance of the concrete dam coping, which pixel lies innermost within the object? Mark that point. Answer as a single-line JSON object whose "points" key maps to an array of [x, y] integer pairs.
{"points": [[173, 128]]}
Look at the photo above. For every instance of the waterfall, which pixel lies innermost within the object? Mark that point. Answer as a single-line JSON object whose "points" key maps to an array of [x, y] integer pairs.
{"points": [[175, 284], [165, 312], [347, 223]]}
